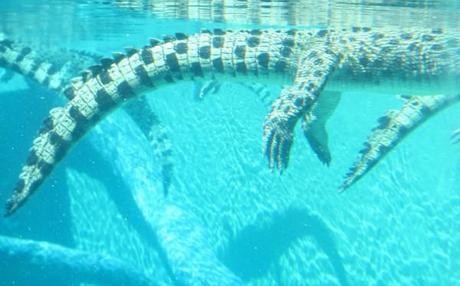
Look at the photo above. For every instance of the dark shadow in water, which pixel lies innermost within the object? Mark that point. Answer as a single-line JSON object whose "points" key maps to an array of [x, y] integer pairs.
{"points": [[57, 202], [254, 249], [121, 196], [94, 165]]}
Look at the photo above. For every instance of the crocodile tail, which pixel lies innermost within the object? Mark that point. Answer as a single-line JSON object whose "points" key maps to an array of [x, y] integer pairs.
{"points": [[392, 129], [52, 69], [93, 95], [121, 78], [58, 132], [72, 62]]}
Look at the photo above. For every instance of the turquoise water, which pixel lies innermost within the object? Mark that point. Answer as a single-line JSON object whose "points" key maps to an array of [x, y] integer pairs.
{"points": [[227, 217]]}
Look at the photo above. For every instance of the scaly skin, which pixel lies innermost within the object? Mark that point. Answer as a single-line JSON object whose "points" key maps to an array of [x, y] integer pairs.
{"points": [[359, 54], [423, 56], [311, 56], [205, 54], [55, 68], [293, 13], [392, 129]]}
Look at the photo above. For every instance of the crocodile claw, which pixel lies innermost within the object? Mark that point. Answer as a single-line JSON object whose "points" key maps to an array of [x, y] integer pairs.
{"points": [[277, 138]]}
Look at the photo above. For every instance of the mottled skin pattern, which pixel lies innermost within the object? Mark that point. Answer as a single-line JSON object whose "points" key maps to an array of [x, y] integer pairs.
{"points": [[355, 55], [310, 57], [362, 55], [55, 68], [114, 82], [393, 128], [296, 101]]}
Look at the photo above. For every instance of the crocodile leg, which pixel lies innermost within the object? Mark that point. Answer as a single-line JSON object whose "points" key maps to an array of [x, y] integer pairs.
{"points": [[314, 68], [202, 89], [7, 76], [392, 129], [456, 136], [261, 91], [314, 124], [156, 133]]}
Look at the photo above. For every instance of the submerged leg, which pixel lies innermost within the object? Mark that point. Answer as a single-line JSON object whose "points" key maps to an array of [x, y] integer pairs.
{"points": [[314, 125], [392, 129], [156, 133], [314, 68], [202, 89], [456, 136], [7, 75], [262, 92]]}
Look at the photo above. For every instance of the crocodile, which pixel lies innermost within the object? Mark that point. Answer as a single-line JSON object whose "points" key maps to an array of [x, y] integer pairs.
{"points": [[314, 125], [362, 54], [287, 12], [456, 136], [176, 266], [394, 127], [306, 58], [53, 68]]}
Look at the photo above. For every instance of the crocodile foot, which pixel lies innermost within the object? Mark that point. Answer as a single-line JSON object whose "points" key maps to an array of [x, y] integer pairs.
{"points": [[455, 138]]}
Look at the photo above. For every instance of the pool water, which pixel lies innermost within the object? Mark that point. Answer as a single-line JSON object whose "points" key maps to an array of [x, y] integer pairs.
{"points": [[228, 219]]}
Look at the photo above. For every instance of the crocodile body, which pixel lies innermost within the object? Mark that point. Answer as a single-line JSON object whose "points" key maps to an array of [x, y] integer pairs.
{"points": [[309, 57], [55, 68]]}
